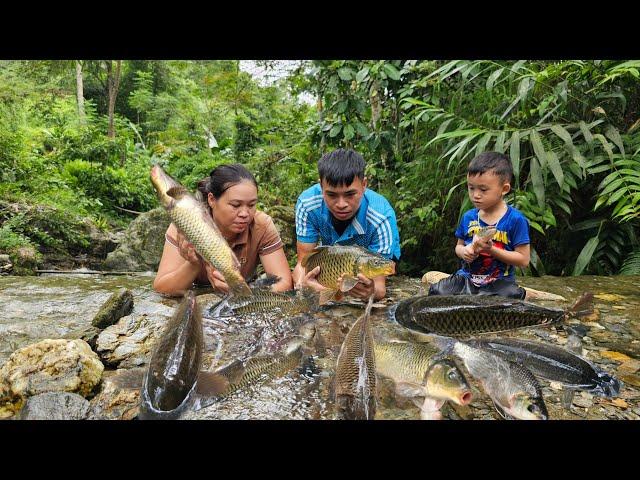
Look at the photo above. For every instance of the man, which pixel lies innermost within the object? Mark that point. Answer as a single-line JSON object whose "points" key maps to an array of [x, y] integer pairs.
{"points": [[342, 210]]}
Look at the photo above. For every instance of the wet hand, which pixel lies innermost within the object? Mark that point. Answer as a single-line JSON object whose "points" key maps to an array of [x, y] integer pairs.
{"points": [[217, 279], [309, 280], [364, 288], [469, 253], [186, 249]]}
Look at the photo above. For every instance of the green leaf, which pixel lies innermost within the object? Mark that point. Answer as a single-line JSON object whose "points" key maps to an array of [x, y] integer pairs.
{"points": [[614, 135], [362, 74], [536, 180], [561, 132], [523, 87], [362, 129], [585, 255], [493, 77], [514, 153], [536, 226], [391, 71], [606, 145], [482, 143], [348, 132], [443, 126], [555, 166], [335, 130], [454, 134], [509, 108], [536, 143], [345, 73], [499, 146], [585, 132]]}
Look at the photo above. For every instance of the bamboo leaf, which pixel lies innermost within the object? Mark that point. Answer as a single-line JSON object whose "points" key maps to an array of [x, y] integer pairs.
{"points": [[536, 180], [499, 146], [514, 153], [614, 135], [585, 255], [585, 132], [482, 143], [493, 77], [606, 145], [454, 134], [538, 148], [555, 166], [561, 132], [443, 127], [510, 107]]}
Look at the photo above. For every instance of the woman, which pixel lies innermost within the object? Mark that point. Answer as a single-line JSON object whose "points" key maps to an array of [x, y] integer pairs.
{"points": [[231, 194]]}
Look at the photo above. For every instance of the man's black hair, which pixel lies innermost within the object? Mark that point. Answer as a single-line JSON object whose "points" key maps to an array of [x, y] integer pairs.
{"points": [[341, 167], [497, 162]]}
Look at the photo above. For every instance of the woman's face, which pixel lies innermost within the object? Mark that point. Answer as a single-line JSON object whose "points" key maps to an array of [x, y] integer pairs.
{"points": [[236, 207]]}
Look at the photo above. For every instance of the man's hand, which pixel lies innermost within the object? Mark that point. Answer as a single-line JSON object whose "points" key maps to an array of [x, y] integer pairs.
{"points": [[309, 280], [217, 279], [186, 249], [469, 253], [363, 289]]}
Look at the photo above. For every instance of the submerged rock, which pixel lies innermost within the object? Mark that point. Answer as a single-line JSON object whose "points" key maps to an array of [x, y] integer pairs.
{"points": [[48, 366], [116, 307], [115, 401], [55, 406]]}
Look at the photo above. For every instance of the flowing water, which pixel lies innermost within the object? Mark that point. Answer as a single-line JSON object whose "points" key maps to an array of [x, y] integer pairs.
{"points": [[61, 306]]}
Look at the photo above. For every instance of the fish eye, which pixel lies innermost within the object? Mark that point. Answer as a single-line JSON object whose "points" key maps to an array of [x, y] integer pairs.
{"points": [[452, 375], [533, 408]]}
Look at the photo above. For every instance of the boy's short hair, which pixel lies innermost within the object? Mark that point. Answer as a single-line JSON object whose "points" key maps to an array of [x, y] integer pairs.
{"points": [[497, 162], [341, 167]]}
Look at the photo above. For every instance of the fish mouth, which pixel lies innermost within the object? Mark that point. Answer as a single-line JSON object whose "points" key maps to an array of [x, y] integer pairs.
{"points": [[465, 398]]}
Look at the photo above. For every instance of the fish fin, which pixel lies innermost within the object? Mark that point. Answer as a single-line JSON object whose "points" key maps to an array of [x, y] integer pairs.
{"points": [[409, 390], [430, 408], [583, 305], [129, 378], [501, 411], [211, 384], [327, 295], [348, 283], [175, 192]]}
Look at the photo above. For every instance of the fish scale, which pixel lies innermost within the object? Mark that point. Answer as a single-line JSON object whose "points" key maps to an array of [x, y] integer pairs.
{"points": [[334, 263], [460, 315], [408, 361]]}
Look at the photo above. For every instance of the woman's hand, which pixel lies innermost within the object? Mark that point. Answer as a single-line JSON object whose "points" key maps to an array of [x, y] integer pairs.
{"points": [[186, 249], [217, 279]]}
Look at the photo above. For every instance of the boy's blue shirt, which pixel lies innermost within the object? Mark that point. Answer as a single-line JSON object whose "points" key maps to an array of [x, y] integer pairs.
{"points": [[511, 230], [373, 227]]}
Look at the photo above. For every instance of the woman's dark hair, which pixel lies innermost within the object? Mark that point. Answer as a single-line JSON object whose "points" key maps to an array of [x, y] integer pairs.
{"points": [[223, 177]]}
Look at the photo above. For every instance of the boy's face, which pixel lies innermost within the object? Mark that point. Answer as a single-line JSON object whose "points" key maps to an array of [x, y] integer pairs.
{"points": [[343, 201], [486, 190]]}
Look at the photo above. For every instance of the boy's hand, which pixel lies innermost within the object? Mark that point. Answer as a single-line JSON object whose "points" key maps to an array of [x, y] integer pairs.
{"points": [[481, 245], [469, 253]]}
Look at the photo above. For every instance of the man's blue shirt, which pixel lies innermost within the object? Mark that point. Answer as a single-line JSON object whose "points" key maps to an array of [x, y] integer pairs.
{"points": [[373, 227]]}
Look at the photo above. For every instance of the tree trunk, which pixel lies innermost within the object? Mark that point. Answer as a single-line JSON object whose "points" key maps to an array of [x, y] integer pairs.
{"points": [[113, 82], [80, 93]]}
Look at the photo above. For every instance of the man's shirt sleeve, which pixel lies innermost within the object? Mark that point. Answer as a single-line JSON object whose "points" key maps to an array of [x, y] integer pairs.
{"points": [[386, 239], [306, 231]]}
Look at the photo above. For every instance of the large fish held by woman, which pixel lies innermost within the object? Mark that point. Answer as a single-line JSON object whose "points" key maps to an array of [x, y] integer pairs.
{"points": [[463, 315], [193, 219]]}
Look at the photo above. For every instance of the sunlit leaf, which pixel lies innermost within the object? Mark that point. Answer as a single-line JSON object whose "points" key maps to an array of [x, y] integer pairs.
{"points": [[539, 150], [585, 255], [536, 180]]}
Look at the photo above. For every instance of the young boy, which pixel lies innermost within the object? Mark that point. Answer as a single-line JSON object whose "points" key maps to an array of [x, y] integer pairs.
{"points": [[488, 264], [341, 210]]}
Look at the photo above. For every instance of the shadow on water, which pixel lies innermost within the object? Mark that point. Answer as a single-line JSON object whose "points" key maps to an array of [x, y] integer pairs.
{"points": [[60, 306]]}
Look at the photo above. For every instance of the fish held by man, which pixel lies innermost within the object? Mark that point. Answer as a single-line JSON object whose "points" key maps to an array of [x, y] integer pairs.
{"points": [[418, 370], [340, 266], [555, 364], [463, 315], [192, 218], [355, 378]]}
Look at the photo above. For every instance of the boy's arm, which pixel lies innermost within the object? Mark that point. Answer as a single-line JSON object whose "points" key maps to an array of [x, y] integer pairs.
{"points": [[519, 257]]}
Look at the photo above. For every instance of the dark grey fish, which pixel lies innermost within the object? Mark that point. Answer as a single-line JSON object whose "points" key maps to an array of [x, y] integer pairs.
{"points": [[170, 381], [554, 363], [461, 315], [265, 301]]}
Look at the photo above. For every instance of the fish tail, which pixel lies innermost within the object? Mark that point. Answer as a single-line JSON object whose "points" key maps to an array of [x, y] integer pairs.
{"points": [[583, 306]]}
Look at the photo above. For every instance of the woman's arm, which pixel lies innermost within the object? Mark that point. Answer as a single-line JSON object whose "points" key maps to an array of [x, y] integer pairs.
{"points": [[275, 263], [175, 272]]}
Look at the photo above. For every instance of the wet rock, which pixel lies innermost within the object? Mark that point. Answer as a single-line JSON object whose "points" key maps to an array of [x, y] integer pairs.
{"points": [[48, 366], [26, 261], [5, 264], [55, 406], [142, 243], [116, 307], [129, 342], [115, 401], [583, 400]]}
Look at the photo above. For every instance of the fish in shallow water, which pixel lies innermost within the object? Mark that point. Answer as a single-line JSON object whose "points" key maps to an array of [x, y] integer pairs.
{"points": [[513, 388], [460, 315], [266, 301], [418, 371], [239, 374], [553, 363], [170, 381], [337, 261], [193, 219], [355, 378]]}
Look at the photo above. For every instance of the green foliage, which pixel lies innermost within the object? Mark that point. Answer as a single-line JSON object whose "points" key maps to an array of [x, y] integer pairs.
{"points": [[631, 264]]}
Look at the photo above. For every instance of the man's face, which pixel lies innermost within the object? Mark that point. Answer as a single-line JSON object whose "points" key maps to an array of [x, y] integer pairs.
{"points": [[343, 201]]}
